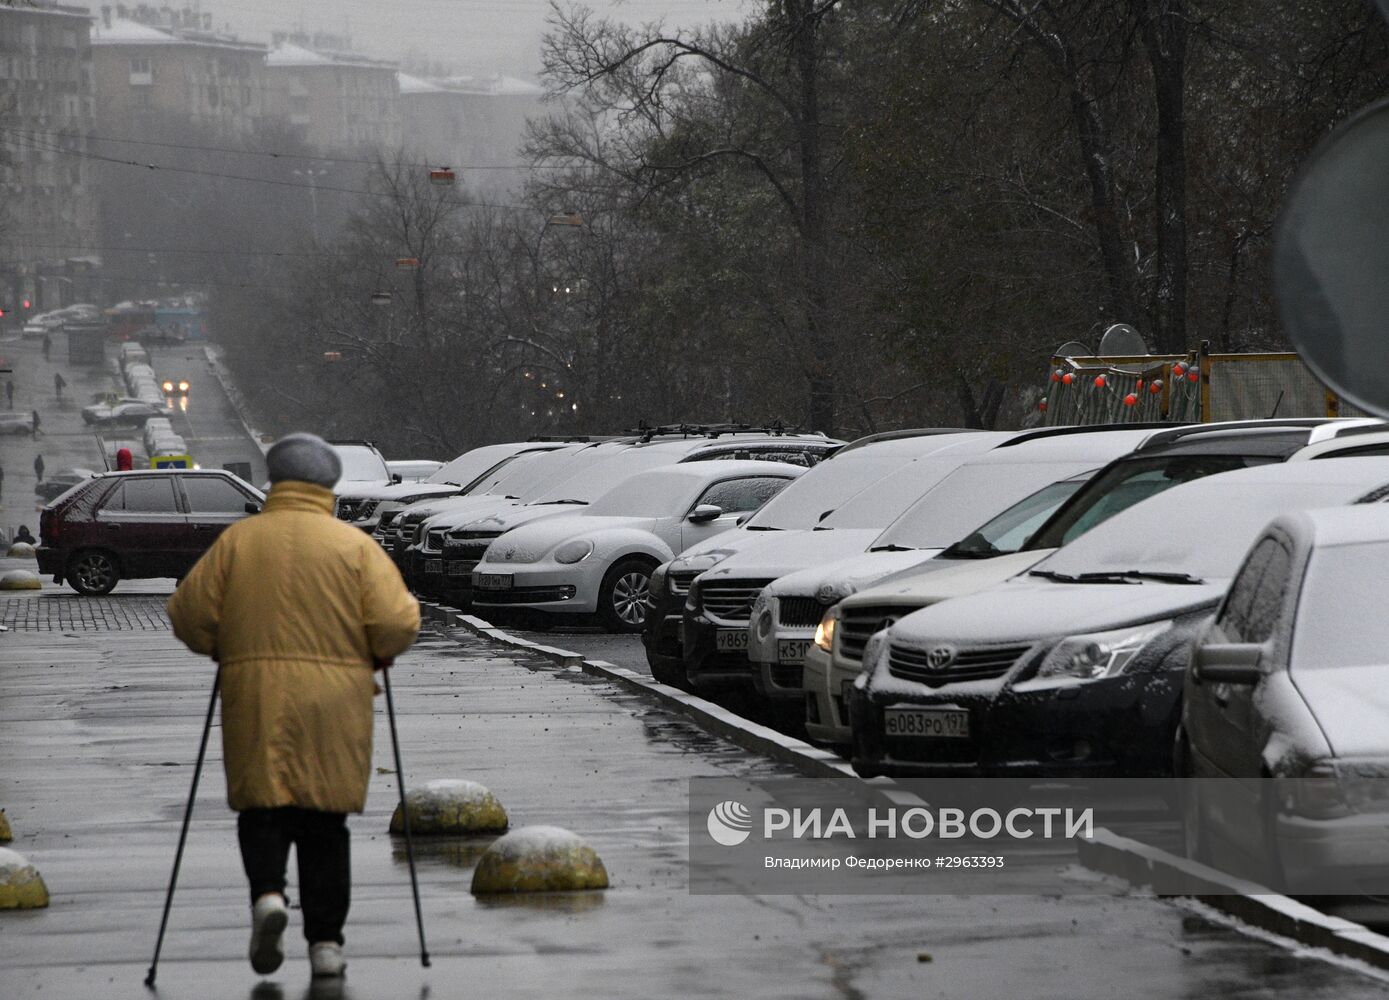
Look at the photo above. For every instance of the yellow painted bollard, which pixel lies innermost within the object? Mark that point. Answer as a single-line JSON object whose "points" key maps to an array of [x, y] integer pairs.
{"points": [[451, 807], [22, 550], [20, 579], [6, 834], [539, 859], [21, 886]]}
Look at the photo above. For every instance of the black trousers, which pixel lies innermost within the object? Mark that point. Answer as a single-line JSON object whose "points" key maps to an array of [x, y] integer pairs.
{"points": [[321, 846]]}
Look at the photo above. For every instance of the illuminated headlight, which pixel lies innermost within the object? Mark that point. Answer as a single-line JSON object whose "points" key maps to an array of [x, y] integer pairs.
{"points": [[1099, 654], [183, 386], [576, 551], [168, 387], [824, 632]]}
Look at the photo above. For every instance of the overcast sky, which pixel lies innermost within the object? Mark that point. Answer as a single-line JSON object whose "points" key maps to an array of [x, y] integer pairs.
{"points": [[480, 36]]}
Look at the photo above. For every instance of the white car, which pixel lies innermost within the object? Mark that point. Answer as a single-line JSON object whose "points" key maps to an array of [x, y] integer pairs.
{"points": [[414, 470], [466, 537], [364, 505], [789, 609], [362, 465], [1074, 668], [599, 561]]}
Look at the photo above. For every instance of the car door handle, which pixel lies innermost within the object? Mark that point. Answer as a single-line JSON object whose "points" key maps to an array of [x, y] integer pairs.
{"points": [[202, 527]]}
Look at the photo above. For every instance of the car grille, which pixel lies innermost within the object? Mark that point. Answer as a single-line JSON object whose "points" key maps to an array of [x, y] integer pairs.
{"points": [[731, 600], [434, 540], [353, 509], [470, 544], [799, 611], [977, 663], [679, 580], [858, 625], [388, 518]]}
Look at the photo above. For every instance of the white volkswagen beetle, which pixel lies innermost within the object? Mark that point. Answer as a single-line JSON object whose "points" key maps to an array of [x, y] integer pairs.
{"points": [[598, 561]]}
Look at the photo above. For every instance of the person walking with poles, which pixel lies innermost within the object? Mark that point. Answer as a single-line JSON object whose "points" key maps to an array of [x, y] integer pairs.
{"points": [[297, 608]]}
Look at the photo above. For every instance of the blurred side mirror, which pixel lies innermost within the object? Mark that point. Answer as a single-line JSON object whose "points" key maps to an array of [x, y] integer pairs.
{"points": [[252, 507], [1229, 663], [396, 479], [705, 513], [743, 519], [824, 515]]}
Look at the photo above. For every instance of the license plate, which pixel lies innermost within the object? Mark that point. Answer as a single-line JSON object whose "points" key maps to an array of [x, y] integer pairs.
{"points": [[434, 565], [460, 567], [493, 581], [791, 651], [731, 640], [948, 723]]}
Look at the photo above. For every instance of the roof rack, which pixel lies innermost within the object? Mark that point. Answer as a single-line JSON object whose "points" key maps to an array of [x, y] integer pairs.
{"points": [[569, 438], [1064, 430], [645, 432], [1175, 434]]}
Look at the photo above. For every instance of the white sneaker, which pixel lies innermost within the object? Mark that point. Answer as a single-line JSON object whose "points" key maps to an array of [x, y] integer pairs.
{"points": [[325, 959], [268, 919]]}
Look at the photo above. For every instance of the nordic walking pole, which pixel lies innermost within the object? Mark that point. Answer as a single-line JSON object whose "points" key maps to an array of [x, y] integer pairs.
{"points": [[183, 834], [405, 814]]}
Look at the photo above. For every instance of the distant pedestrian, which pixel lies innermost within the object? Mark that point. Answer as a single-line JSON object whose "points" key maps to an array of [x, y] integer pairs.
{"points": [[22, 535], [59, 384], [38, 467], [47, 345], [296, 662], [9, 393], [34, 425]]}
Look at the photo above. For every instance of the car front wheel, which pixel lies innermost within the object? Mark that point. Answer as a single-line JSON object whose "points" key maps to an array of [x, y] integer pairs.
{"points": [[93, 573], [622, 598]]}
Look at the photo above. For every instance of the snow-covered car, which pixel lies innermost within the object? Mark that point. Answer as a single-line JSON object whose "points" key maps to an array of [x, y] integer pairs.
{"points": [[789, 609], [15, 422], [364, 505], [60, 482], [1075, 668], [362, 466], [1284, 703], [1166, 458], [467, 537], [598, 562], [125, 414], [413, 470], [799, 507]]}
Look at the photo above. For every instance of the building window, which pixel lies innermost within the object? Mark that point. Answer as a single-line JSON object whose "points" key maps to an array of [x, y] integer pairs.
{"points": [[141, 71]]}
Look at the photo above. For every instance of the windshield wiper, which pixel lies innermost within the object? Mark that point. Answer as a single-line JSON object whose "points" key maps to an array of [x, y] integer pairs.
{"points": [[891, 547], [760, 527], [582, 503], [1119, 576]]}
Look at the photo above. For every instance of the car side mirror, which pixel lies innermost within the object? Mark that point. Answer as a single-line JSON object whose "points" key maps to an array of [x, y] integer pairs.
{"points": [[1229, 663], [252, 507], [824, 515], [743, 519], [396, 479], [705, 513]]}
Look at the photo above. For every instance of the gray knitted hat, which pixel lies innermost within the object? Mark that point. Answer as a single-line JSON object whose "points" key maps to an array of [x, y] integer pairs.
{"points": [[305, 457]]}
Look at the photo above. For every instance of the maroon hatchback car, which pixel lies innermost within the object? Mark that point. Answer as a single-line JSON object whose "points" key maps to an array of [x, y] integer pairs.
{"points": [[131, 525]]}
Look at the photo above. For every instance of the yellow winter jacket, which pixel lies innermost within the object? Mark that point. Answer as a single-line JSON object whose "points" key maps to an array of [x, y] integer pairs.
{"points": [[296, 606]]}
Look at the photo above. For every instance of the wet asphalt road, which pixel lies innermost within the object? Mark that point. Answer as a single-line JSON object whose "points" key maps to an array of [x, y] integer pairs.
{"points": [[99, 724]]}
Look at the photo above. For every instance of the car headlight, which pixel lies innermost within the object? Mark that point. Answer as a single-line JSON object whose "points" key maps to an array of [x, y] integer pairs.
{"points": [[183, 385], [168, 387], [824, 632], [657, 583], [572, 552], [1099, 654]]}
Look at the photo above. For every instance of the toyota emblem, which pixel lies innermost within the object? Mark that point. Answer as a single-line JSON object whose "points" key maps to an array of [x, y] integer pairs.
{"points": [[825, 595], [940, 657]]}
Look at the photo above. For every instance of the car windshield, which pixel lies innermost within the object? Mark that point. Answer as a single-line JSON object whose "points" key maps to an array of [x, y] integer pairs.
{"points": [[948, 511], [650, 494], [1203, 530], [1342, 599], [1124, 484], [885, 500], [596, 478], [528, 474], [1007, 532], [471, 465], [361, 464]]}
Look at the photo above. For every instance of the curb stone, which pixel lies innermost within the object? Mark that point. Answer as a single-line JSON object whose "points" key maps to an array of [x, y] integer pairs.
{"points": [[1247, 901]]}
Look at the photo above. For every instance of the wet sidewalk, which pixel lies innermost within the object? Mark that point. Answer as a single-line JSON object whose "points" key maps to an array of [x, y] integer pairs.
{"points": [[99, 727]]}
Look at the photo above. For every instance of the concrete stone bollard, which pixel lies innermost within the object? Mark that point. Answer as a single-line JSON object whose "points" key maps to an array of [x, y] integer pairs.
{"points": [[450, 807], [21, 886], [22, 550], [20, 579], [538, 859], [6, 834]]}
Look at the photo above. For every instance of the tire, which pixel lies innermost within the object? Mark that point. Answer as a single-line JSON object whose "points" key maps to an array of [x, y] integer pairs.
{"points": [[667, 670], [93, 572], [622, 597]]}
